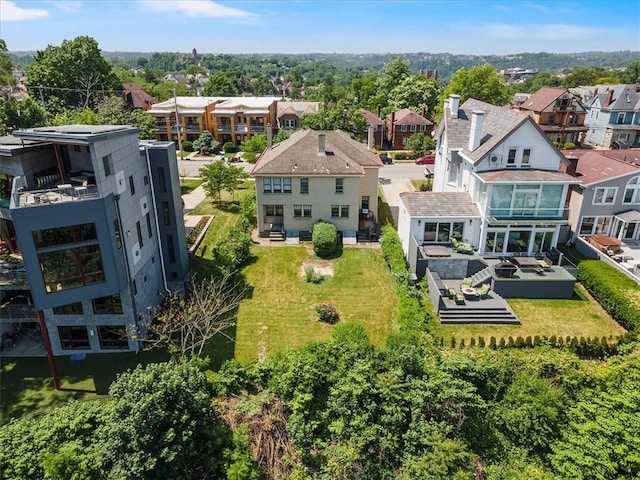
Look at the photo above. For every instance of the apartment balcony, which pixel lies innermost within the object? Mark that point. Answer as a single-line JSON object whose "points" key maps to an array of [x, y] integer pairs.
{"points": [[60, 194], [511, 215], [564, 108], [12, 274], [224, 128]]}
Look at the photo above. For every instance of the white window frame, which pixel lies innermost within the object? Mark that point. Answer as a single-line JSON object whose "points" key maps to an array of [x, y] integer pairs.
{"points": [[266, 184], [414, 128], [606, 193], [403, 128], [339, 185], [526, 156]]}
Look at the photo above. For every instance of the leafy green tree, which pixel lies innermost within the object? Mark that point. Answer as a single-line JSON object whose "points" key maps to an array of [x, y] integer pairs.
{"points": [[165, 90], [6, 78], [542, 79], [482, 82], [420, 144], [581, 76], [224, 83], [601, 438], [340, 117], [415, 92], [63, 443], [391, 75], [631, 74], [256, 144], [74, 73], [162, 425], [366, 91], [16, 114], [220, 176]]}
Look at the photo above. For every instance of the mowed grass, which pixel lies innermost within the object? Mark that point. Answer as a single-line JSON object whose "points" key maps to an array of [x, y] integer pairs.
{"points": [[226, 214], [580, 316], [280, 312], [27, 386], [187, 185]]}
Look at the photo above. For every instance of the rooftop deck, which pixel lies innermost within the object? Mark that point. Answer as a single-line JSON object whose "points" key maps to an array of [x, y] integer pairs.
{"points": [[57, 194]]}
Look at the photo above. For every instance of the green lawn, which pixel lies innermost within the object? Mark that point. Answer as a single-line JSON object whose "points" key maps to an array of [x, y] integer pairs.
{"points": [[580, 316], [27, 386], [188, 185], [226, 214], [280, 312]]}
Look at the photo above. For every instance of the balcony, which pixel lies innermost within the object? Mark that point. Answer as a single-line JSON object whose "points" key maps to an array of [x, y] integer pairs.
{"points": [[527, 214], [60, 194], [564, 108]]}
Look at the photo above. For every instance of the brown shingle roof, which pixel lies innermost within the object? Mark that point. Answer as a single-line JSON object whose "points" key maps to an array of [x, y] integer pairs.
{"points": [[372, 118], [595, 166], [440, 204], [298, 155], [136, 97], [409, 117], [542, 99]]}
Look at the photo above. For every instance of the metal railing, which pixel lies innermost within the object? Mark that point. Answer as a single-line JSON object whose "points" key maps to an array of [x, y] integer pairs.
{"points": [[529, 213], [50, 196]]}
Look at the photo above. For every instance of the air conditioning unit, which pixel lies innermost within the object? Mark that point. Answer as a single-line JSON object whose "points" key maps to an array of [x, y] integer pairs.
{"points": [[494, 158]]}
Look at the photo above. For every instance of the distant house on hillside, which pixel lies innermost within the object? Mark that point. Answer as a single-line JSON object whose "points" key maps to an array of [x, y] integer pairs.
{"points": [[135, 97]]}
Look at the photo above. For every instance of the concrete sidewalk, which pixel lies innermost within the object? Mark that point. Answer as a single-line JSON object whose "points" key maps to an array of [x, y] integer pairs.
{"points": [[193, 198]]}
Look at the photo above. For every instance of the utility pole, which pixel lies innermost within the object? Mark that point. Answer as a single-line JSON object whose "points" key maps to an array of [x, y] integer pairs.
{"points": [[175, 103]]}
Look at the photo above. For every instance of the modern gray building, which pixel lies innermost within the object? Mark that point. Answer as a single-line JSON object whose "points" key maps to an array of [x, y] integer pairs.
{"points": [[95, 218]]}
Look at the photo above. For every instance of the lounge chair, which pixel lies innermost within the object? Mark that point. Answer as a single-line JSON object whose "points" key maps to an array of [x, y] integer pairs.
{"points": [[459, 299], [483, 290], [466, 283]]}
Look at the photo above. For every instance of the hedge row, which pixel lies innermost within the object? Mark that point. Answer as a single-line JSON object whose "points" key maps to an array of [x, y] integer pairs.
{"points": [[411, 314], [599, 348], [617, 293]]}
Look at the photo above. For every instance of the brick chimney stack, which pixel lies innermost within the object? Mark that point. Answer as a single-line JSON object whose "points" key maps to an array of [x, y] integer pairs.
{"points": [[609, 100], [573, 164]]}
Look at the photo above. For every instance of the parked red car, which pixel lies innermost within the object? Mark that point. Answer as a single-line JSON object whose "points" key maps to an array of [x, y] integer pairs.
{"points": [[426, 160]]}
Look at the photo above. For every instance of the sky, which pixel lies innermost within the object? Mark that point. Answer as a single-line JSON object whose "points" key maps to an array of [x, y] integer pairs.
{"points": [[476, 27]]}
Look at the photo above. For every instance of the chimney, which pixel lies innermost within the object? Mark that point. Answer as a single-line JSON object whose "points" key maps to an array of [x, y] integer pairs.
{"points": [[379, 112], [424, 112], [269, 136], [370, 137], [609, 100], [454, 104], [573, 164], [321, 148], [475, 134]]}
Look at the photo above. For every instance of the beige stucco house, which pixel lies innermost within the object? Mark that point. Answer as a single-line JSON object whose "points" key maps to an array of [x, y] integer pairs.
{"points": [[317, 175]]}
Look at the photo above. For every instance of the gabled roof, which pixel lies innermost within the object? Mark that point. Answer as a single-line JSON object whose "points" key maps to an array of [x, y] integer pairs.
{"points": [[136, 97], [372, 118], [297, 108], [409, 117], [596, 166], [440, 204], [542, 99], [625, 98], [498, 124], [299, 155]]}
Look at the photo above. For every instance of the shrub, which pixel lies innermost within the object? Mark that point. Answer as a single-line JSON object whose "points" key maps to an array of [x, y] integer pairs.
{"points": [[187, 146], [617, 293], [569, 146], [397, 155], [229, 147], [325, 239], [311, 276], [327, 313]]}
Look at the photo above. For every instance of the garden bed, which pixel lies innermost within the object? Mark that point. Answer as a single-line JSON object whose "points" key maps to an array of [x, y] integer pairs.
{"points": [[195, 236]]}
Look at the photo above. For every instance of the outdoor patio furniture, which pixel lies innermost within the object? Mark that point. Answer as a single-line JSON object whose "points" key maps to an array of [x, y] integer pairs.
{"points": [[483, 290], [505, 270], [459, 299], [470, 293], [461, 247], [465, 283]]}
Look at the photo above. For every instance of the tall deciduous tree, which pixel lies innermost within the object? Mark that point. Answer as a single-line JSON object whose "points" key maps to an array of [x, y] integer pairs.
{"points": [[415, 92], [219, 176], [163, 426], [20, 114], [391, 75], [482, 82], [5, 65], [184, 324], [74, 73]]}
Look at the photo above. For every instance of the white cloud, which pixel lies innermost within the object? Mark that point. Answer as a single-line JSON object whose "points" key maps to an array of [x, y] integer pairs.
{"points": [[195, 8], [10, 12], [66, 5]]}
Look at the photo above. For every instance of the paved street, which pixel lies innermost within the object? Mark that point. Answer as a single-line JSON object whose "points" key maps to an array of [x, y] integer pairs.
{"points": [[393, 179]]}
